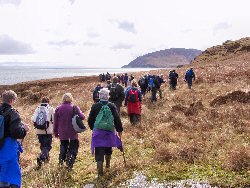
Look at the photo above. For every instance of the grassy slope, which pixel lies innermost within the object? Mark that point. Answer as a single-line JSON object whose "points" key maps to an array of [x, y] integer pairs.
{"points": [[199, 133]]}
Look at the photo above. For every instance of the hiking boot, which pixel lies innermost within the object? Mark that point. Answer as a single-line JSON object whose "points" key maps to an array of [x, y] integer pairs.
{"points": [[39, 162], [100, 168], [107, 158]]}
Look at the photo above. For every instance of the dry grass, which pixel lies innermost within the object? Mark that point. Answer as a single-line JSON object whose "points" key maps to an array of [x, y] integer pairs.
{"points": [[198, 133]]}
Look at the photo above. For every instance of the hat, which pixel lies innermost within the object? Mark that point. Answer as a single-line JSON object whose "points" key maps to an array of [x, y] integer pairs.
{"points": [[104, 93]]}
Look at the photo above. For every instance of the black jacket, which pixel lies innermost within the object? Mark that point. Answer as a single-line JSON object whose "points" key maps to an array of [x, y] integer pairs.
{"points": [[12, 123], [120, 95], [95, 109]]}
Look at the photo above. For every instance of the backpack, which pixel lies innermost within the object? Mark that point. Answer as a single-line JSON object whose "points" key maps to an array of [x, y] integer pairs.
{"points": [[171, 75], [77, 123], [104, 120], [142, 81], [96, 93], [133, 96], [2, 115], [113, 93], [41, 118]]}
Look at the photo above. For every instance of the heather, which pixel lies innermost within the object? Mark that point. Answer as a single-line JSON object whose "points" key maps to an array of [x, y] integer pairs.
{"points": [[198, 133]]}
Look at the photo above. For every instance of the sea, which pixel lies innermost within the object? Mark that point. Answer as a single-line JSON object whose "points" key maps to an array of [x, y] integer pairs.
{"points": [[14, 75]]}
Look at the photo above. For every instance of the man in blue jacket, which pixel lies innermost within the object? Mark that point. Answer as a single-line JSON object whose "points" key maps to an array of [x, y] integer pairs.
{"points": [[189, 77], [10, 173]]}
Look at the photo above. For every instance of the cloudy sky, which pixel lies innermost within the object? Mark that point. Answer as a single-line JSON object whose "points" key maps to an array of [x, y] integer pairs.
{"points": [[111, 33]]}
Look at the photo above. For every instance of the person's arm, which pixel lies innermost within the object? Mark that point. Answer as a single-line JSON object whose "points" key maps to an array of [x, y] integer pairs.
{"points": [[117, 120], [80, 113], [17, 128], [92, 116], [139, 95], [55, 123]]}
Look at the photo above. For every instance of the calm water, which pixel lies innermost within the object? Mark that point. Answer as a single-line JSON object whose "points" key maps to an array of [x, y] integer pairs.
{"points": [[13, 76]]}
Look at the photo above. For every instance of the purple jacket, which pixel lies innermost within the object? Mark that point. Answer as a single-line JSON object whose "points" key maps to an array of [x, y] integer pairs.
{"points": [[62, 126]]}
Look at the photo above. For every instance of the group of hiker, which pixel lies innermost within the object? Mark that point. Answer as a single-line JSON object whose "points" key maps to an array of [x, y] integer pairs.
{"points": [[104, 119]]}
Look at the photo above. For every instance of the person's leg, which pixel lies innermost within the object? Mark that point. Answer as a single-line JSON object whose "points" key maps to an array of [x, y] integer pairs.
{"points": [[108, 153], [63, 151], [99, 157], [72, 153]]}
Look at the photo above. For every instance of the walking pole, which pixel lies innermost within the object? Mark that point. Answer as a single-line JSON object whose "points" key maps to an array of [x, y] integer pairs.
{"points": [[123, 154]]}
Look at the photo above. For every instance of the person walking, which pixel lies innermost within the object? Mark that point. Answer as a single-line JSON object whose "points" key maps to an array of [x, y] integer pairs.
{"points": [[125, 79], [116, 94], [10, 148], [63, 129], [96, 97], [46, 112], [173, 76], [189, 77], [133, 101], [103, 138], [143, 83]]}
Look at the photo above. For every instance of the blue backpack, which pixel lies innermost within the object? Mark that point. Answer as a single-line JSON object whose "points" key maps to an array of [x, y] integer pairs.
{"points": [[2, 115]]}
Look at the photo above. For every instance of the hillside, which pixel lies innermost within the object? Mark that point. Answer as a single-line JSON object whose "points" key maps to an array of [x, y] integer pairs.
{"points": [[164, 58], [198, 134]]}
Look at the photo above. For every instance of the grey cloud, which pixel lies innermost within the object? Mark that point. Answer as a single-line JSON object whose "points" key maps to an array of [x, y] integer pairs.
{"points": [[127, 26], [87, 43], [9, 46], [62, 43], [221, 26], [15, 2], [121, 46]]}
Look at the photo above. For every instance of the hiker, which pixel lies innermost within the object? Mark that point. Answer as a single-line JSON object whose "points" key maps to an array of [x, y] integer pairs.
{"points": [[12, 129], [96, 93], [173, 76], [125, 79], [108, 76], [143, 83], [44, 113], [131, 78], [161, 81], [108, 84], [63, 129], [116, 94], [119, 78], [103, 139], [155, 86], [100, 77], [103, 77], [133, 101], [122, 81], [189, 77]]}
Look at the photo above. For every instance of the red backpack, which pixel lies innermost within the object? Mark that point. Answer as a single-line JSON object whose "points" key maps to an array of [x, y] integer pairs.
{"points": [[133, 96]]}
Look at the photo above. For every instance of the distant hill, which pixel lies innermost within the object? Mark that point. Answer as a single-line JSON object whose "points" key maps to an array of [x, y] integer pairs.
{"points": [[172, 57]]}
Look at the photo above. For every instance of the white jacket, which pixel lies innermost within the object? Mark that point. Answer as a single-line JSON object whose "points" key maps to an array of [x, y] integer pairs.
{"points": [[50, 118]]}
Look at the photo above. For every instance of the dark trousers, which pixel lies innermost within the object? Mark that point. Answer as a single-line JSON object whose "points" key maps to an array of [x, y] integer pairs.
{"points": [[101, 151], [45, 141], [126, 83], [134, 118], [7, 185], [68, 152], [153, 97]]}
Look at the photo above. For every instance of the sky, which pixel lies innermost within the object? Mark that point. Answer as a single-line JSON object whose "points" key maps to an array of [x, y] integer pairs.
{"points": [[112, 33]]}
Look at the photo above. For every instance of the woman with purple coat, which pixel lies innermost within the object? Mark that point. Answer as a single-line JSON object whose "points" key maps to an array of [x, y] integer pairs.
{"points": [[63, 129], [104, 140]]}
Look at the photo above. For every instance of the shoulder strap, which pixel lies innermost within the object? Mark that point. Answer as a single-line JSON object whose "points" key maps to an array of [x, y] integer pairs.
{"points": [[75, 110]]}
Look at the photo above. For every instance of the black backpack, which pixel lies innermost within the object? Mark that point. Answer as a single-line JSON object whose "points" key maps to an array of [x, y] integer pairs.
{"points": [[113, 91], [96, 93]]}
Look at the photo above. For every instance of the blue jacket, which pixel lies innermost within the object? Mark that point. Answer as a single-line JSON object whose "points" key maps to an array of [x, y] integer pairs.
{"points": [[9, 168]]}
